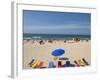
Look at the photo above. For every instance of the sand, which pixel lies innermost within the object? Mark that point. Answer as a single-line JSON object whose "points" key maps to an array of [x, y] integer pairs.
{"points": [[73, 51]]}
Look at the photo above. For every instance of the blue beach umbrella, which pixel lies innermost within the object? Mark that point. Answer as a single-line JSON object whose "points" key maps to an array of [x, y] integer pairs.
{"points": [[58, 52]]}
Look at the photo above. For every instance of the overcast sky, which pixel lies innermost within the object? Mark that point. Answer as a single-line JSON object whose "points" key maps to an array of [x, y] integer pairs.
{"points": [[44, 22]]}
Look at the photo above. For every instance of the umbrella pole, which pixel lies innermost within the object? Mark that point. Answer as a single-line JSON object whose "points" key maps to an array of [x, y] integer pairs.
{"points": [[55, 58]]}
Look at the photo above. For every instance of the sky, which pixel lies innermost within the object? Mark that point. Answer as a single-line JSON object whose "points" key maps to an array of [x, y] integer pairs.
{"points": [[48, 22]]}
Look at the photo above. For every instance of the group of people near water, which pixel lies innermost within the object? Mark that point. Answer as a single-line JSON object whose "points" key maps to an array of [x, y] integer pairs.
{"points": [[41, 41]]}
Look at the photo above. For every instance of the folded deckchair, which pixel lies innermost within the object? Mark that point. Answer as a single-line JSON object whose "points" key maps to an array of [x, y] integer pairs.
{"points": [[35, 63], [51, 65]]}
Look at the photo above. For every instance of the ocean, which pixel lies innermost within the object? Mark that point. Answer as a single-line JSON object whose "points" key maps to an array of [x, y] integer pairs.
{"points": [[55, 36]]}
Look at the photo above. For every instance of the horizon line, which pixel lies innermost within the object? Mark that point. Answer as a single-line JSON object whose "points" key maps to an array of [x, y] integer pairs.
{"points": [[56, 34]]}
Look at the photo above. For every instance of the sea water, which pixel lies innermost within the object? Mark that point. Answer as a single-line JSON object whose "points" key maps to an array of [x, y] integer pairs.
{"points": [[56, 36]]}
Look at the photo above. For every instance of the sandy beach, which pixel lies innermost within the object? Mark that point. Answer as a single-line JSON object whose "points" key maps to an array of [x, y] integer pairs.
{"points": [[42, 52]]}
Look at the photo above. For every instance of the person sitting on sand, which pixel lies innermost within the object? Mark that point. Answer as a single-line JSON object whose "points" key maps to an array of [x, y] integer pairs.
{"points": [[28, 40], [41, 42], [76, 39], [87, 40], [50, 41], [64, 41]]}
